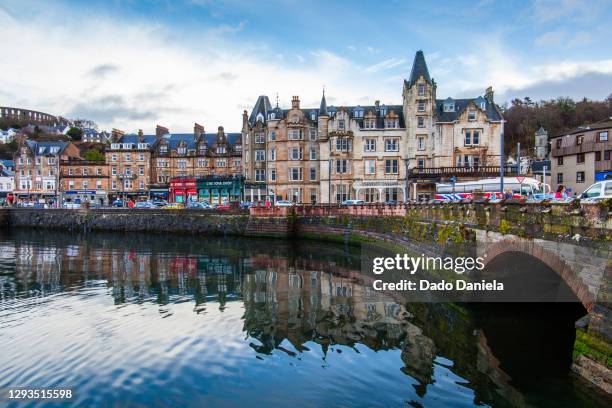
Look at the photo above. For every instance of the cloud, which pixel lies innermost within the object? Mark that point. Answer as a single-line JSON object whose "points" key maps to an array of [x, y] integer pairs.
{"points": [[595, 85], [110, 108], [550, 38], [386, 64], [102, 70], [545, 11]]}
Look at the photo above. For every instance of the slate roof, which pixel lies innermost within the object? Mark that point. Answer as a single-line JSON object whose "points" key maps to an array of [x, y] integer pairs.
{"points": [[460, 105], [419, 68], [44, 148], [604, 124], [175, 139], [331, 110], [134, 138], [6, 173], [261, 106], [323, 106]]}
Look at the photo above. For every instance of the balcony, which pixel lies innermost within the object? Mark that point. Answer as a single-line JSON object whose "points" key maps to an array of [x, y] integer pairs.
{"points": [[436, 174]]}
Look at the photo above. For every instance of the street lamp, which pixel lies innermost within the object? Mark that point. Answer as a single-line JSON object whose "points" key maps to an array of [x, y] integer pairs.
{"points": [[501, 158]]}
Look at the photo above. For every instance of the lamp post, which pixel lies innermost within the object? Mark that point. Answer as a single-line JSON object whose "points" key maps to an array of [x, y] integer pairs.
{"points": [[501, 158]]}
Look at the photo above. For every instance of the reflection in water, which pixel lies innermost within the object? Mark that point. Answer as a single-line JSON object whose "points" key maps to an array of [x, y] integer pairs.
{"points": [[152, 321]]}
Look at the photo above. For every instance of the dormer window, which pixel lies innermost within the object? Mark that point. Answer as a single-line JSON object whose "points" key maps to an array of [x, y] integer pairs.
{"points": [[202, 149], [41, 150], [358, 113], [271, 116], [483, 105], [260, 117], [182, 150], [313, 116], [341, 124], [163, 149], [383, 110], [391, 123], [369, 124], [220, 150], [449, 106]]}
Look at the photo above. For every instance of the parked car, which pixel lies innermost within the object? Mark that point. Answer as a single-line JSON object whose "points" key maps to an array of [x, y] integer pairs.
{"points": [[174, 206], [199, 205], [246, 204], [144, 204], [284, 203], [159, 203], [597, 192], [353, 202], [224, 206], [118, 203]]}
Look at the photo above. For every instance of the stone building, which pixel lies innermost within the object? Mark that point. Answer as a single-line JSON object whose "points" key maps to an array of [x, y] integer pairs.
{"points": [[194, 155], [37, 169], [84, 181], [129, 159], [582, 156], [541, 144], [375, 153]]}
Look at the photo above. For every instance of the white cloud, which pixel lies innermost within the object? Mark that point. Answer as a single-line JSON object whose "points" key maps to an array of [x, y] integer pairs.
{"points": [[386, 64], [134, 75]]}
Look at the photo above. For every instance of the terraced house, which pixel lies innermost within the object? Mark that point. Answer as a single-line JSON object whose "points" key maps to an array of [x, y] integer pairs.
{"points": [[128, 158], [376, 153], [37, 167], [196, 155]]}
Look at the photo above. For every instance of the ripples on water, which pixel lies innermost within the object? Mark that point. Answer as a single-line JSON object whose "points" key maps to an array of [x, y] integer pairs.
{"points": [[141, 321]]}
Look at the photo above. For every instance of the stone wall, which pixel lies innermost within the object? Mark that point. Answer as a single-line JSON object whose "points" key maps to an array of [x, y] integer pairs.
{"points": [[157, 221]]}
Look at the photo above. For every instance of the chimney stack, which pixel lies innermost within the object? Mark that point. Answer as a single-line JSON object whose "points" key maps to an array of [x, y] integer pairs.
{"points": [[160, 131], [116, 134], [489, 94], [295, 102], [198, 130]]}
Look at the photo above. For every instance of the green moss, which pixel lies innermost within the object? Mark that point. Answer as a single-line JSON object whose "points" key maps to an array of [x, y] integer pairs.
{"points": [[504, 227], [594, 347]]}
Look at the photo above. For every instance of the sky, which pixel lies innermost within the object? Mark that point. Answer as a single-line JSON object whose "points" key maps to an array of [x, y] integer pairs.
{"points": [[134, 64]]}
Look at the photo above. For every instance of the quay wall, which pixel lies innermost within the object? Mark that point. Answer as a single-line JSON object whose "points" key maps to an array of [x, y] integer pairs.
{"points": [[154, 221]]}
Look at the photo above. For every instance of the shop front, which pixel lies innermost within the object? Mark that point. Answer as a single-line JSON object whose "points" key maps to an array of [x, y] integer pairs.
{"points": [[219, 190], [256, 192], [183, 190], [82, 196], [159, 194]]}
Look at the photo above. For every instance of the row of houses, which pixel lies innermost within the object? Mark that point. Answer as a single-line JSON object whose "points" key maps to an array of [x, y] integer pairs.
{"points": [[376, 152], [134, 167]]}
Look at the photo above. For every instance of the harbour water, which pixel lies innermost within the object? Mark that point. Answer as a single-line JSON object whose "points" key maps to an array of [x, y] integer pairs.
{"points": [[156, 321]]}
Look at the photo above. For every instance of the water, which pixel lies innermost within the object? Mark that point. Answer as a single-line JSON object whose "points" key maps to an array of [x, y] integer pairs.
{"points": [[158, 321]]}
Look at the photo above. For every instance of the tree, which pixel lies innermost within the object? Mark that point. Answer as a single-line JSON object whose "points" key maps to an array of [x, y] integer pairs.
{"points": [[75, 133], [94, 154]]}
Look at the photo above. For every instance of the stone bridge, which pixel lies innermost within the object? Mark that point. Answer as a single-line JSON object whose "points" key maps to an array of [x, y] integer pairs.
{"points": [[572, 240]]}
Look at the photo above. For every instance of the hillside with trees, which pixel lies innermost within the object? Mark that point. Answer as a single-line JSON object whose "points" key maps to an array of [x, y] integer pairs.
{"points": [[524, 117]]}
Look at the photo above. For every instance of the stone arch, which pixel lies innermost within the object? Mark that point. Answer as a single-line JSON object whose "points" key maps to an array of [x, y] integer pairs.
{"points": [[550, 258]]}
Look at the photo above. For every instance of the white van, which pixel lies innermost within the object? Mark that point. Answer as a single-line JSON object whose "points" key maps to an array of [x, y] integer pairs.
{"points": [[597, 192]]}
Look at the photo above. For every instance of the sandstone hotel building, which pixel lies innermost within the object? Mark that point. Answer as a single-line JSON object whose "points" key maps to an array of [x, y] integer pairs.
{"points": [[376, 153]]}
